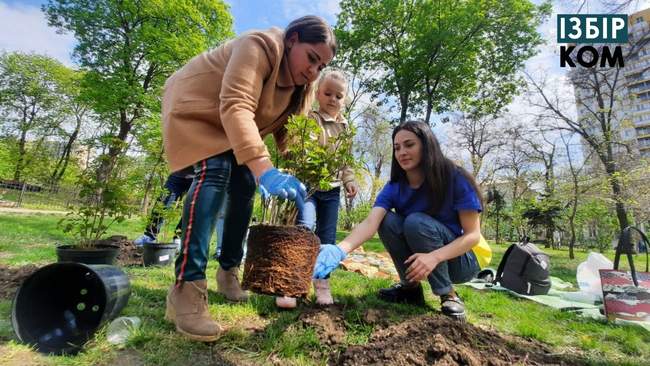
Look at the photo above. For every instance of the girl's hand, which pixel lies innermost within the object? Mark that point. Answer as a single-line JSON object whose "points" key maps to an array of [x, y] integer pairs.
{"points": [[421, 266], [351, 189]]}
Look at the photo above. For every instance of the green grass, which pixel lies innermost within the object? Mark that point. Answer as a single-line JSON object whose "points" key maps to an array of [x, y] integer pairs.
{"points": [[260, 334]]}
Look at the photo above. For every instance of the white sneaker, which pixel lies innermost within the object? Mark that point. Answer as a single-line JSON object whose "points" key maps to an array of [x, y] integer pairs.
{"points": [[323, 293], [144, 239], [286, 302]]}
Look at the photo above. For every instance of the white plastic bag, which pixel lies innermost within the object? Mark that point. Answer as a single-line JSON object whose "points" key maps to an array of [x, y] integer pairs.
{"points": [[587, 274]]}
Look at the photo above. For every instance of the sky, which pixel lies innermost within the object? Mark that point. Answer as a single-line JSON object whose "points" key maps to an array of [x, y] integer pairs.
{"points": [[24, 28]]}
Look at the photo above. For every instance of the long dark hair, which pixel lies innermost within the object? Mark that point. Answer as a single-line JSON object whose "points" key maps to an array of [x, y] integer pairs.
{"points": [[438, 169], [311, 29]]}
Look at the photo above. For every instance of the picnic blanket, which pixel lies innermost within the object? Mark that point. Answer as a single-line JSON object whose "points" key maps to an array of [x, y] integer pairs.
{"points": [[560, 298]]}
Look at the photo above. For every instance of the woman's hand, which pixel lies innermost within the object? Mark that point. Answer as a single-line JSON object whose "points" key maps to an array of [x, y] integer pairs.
{"points": [[351, 189], [421, 266], [329, 257]]}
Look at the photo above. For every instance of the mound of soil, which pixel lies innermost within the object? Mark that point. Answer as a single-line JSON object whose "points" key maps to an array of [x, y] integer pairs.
{"points": [[280, 260], [130, 254], [437, 340], [328, 322], [12, 277]]}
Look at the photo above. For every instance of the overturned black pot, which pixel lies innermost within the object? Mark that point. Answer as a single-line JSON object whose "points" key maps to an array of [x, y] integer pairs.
{"points": [[60, 306], [95, 254], [155, 254]]}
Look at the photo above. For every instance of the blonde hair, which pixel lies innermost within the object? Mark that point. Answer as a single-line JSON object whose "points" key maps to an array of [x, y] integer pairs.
{"points": [[311, 29], [335, 74]]}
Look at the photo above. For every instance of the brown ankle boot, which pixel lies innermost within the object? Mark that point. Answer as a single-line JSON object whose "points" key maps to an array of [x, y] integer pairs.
{"points": [[187, 307], [228, 284]]}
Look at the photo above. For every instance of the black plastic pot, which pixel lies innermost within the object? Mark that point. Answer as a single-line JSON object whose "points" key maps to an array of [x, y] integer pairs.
{"points": [[60, 306], [155, 254], [96, 254]]}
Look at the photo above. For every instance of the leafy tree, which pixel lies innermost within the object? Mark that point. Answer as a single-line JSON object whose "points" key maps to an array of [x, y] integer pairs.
{"points": [[600, 226], [544, 213], [373, 145], [31, 89], [128, 48], [77, 111], [441, 53]]}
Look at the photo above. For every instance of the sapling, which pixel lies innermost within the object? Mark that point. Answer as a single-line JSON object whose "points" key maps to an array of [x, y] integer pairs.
{"points": [[314, 164]]}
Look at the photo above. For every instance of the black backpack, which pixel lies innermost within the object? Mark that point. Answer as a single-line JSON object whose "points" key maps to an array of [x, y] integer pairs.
{"points": [[524, 269]]}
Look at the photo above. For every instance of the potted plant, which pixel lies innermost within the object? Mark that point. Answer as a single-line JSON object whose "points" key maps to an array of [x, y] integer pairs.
{"points": [[163, 250], [281, 255], [104, 202]]}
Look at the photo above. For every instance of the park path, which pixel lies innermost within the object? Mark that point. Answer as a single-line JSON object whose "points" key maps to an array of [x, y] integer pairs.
{"points": [[24, 211]]}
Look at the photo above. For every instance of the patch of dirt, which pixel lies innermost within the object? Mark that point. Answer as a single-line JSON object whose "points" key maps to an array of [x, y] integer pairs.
{"points": [[12, 277], [280, 260], [376, 317], [437, 340], [128, 357], [328, 322], [130, 254], [18, 357]]}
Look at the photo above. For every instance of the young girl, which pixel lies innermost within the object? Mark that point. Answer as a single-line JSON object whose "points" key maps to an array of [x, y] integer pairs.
{"points": [[216, 110], [322, 208], [427, 216]]}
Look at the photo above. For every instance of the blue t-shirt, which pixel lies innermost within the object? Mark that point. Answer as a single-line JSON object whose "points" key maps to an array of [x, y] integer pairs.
{"points": [[406, 200]]}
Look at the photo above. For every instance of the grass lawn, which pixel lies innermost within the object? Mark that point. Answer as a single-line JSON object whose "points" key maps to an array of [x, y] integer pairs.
{"points": [[260, 334]]}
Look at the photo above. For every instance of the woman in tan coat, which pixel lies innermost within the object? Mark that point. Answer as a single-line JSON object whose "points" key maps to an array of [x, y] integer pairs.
{"points": [[216, 111]]}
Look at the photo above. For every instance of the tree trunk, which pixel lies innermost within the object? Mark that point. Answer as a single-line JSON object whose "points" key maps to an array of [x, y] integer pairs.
{"points": [[427, 118], [621, 212], [21, 156], [404, 104], [115, 149], [62, 164], [496, 240]]}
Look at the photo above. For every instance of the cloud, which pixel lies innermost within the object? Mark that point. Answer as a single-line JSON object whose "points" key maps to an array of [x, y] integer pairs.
{"points": [[25, 29]]}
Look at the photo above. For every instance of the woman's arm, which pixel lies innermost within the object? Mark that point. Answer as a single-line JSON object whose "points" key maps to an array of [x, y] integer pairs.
{"points": [[330, 256], [421, 264], [364, 231]]}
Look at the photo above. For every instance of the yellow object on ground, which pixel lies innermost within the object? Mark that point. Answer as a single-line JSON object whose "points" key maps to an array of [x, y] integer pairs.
{"points": [[483, 252]]}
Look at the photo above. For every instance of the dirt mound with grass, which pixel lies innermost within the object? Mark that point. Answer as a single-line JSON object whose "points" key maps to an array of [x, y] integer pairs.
{"points": [[12, 277], [328, 323], [437, 340], [130, 254]]}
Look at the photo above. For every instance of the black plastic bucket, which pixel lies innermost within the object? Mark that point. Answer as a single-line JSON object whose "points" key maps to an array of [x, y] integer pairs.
{"points": [[60, 306], [97, 254], [155, 254]]}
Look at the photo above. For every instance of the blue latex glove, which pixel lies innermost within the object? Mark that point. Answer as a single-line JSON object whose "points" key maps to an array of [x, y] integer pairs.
{"points": [[329, 257], [275, 183]]}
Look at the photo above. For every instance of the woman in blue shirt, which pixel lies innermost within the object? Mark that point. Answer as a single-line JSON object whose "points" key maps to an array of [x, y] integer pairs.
{"points": [[427, 217]]}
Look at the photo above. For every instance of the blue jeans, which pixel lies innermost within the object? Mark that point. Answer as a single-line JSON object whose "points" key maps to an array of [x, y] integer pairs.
{"points": [[220, 222], [321, 212], [215, 177], [176, 186], [421, 233]]}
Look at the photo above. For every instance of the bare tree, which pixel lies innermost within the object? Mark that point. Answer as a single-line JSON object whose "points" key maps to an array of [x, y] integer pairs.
{"points": [[513, 167], [575, 171], [599, 98], [479, 136]]}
